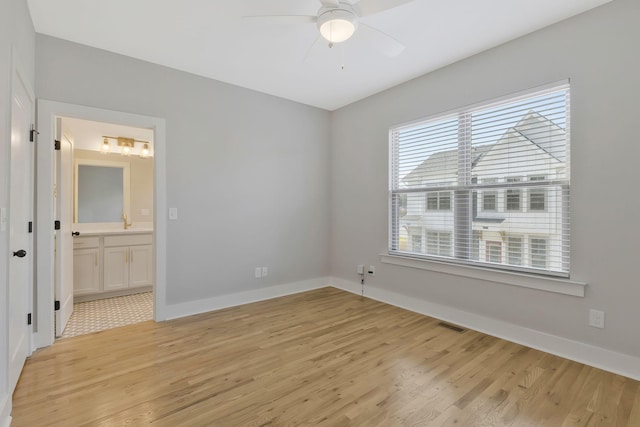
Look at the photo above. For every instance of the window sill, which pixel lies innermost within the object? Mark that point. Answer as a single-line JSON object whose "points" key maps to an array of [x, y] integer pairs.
{"points": [[549, 284]]}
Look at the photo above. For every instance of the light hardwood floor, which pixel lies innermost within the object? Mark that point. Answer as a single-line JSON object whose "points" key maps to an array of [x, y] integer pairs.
{"points": [[323, 357]]}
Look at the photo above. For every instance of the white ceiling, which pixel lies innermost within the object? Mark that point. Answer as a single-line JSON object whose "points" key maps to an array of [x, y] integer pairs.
{"points": [[212, 39]]}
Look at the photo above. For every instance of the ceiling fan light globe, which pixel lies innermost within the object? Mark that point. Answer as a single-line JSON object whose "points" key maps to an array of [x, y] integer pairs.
{"points": [[337, 25]]}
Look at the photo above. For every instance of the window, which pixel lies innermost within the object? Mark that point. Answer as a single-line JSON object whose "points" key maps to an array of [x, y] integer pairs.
{"points": [[439, 201], [494, 252], [537, 196], [416, 243], [439, 243], [514, 250], [513, 196], [538, 249], [489, 170], [489, 198]]}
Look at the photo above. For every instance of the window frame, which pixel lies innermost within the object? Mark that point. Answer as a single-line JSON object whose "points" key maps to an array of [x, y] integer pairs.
{"points": [[562, 183]]}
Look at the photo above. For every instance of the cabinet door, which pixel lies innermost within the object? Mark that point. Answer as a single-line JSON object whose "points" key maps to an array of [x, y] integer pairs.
{"points": [[86, 271], [116, 268], [140, 270]]}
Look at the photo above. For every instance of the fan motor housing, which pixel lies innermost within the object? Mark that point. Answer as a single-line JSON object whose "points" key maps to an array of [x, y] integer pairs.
{"points": [[337, 24]]}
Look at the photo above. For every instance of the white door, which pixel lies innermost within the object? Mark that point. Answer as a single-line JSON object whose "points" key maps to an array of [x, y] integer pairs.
{"points": [[20, 241], [64, 212]]}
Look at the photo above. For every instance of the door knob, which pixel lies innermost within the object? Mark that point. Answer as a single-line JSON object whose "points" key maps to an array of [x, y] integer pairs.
{"points": [[20, 254], [75, 233]]}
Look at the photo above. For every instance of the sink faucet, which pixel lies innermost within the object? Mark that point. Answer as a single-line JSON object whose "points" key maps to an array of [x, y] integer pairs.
{"points": [[124, 219]]}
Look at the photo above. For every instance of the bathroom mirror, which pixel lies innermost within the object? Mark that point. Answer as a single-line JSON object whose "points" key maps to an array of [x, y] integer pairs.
{"points": [[101, 191]]}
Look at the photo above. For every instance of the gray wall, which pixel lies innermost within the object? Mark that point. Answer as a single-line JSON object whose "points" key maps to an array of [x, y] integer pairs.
{"points": [[248, 172], [17, 35], [598, 51]]}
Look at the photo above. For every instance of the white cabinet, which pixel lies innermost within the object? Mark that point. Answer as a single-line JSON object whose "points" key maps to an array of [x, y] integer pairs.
{"points": [[86, 265], [112, 263], [116, 268], [140, 261], [127, 261]]}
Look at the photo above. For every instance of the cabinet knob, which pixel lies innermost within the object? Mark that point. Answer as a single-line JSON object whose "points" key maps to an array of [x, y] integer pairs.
{"points": [[75, 233]]}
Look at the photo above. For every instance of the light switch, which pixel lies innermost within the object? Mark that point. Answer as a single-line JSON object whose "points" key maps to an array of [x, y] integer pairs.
{"points": [[173, 214]]}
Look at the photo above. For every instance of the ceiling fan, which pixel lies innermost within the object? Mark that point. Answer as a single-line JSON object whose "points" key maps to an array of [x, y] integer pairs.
{"points": [[338, 20]]}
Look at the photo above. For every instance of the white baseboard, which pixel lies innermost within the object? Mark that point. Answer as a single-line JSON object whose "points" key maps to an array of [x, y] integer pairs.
{"points": [[5, 411], [216, 303], [618, 363]]}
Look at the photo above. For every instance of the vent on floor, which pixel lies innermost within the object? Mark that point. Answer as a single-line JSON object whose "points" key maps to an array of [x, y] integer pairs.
{"points": [[450, 326]]}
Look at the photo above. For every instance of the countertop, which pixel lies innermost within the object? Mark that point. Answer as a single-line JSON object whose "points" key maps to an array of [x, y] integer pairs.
{"points": [[103, 232]]}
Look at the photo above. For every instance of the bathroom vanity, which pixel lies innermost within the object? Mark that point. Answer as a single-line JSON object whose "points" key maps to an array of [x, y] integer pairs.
{"points": [[110, 263]]}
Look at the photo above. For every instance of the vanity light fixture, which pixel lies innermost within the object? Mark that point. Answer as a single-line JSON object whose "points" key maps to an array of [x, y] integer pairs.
{"points": [[127, 145]]}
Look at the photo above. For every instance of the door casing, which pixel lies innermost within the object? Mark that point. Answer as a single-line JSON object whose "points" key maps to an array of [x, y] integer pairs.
{"points": [[48, 111]]}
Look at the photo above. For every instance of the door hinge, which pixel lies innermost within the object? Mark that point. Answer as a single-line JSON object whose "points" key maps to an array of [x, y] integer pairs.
{"points": [[56, 225], [32, 133], [56, 305], [29, 319], [30, 226], [56, 145]]}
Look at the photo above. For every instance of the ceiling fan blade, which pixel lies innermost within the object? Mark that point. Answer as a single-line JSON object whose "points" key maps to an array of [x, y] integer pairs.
{"points": [[284, 19], [380, 41], [370, 7], [330, 3], [313, 45]]}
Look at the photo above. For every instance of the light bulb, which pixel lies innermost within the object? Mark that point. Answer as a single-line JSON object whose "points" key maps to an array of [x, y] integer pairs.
{"points": [[145, 151], [126, 150], [105, 146]]}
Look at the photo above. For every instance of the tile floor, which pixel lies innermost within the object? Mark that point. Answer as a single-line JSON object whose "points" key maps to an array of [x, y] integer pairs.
{"points": [[98, 315]]}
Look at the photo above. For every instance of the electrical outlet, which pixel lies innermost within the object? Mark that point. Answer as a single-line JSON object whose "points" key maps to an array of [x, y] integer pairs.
{"points": [[372, 270], [265, 271], [258, 272], [596, 318], [173, 214], [360, 269]]}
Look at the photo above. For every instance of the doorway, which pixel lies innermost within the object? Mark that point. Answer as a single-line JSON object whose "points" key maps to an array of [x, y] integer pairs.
{"points": [[118, 246], [104, 239]]}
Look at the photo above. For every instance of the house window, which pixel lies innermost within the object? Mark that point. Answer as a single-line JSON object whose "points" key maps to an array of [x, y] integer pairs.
{"points": [[489, 200], [489, 197], [513, 196], [537, 196], [439, 201], [439, 243], [508, 158], [416, 243], [494, 252], [538, 250], [514, 250]]}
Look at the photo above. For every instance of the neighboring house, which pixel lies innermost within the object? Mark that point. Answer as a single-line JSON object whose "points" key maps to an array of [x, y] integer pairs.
{"points": [[515, 222]]}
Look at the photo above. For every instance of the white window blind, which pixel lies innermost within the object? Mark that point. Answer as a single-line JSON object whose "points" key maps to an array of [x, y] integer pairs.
{"points": [[494, 178]]}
